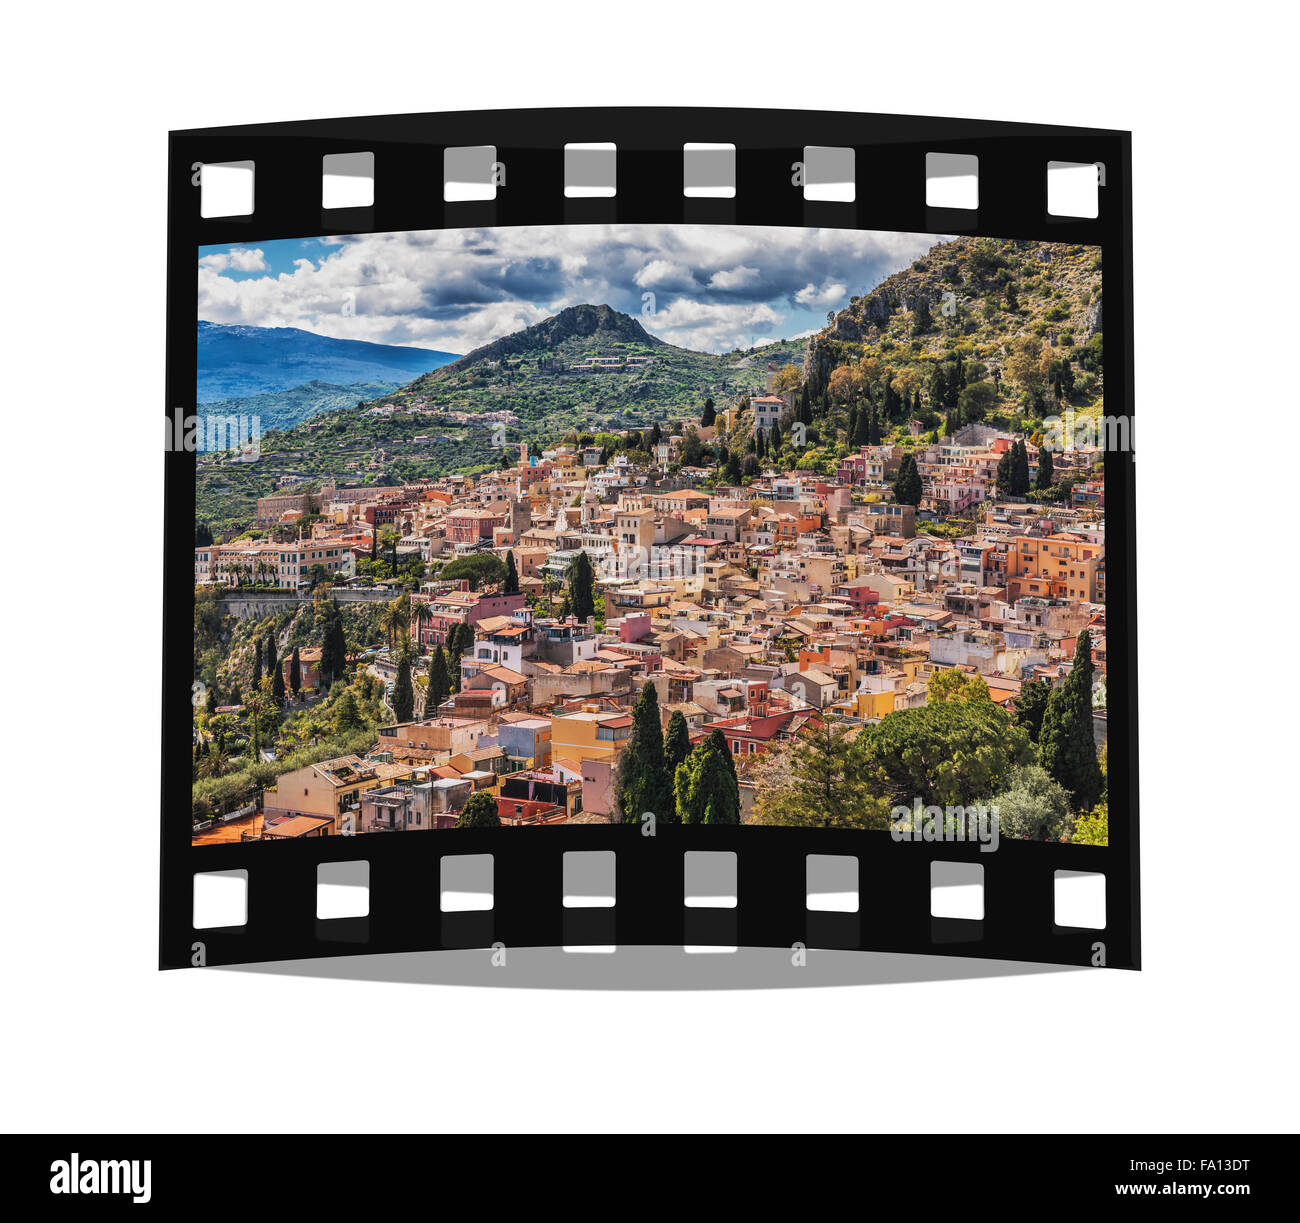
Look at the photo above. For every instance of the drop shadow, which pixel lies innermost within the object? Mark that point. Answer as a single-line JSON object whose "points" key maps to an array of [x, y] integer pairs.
{"points": [[650, 968]]}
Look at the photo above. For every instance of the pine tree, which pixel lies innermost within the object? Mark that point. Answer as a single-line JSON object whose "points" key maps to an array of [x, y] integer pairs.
{"points": [[677, 742], [346, 714], [439, 685], [907, 484], [1065, 744], [480, 812], [403, 690], [822, 785], [512, 574], [295, 672], [705, 785], [643, 783]]}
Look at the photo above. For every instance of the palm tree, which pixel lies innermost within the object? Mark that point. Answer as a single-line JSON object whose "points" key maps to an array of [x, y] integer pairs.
{"points": [[256, 706], [393, 620], [214, 763], [421, 614]]}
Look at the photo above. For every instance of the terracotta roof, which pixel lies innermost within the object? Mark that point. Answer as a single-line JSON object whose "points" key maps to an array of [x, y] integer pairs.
{"points": [[296, 826]]}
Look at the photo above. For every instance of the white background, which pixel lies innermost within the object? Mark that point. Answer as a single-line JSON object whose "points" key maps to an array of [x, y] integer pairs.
{"points": [[95, 1037]]}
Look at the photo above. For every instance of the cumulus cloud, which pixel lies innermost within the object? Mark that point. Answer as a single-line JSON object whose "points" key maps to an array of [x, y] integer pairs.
{"points": [[715, 287], [827, 297], [236, 259], [663, 274], [733, 278], [712, 327]]}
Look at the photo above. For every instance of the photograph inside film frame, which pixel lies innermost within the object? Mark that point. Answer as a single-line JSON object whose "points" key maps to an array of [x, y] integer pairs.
{"points": [[612, 524]]}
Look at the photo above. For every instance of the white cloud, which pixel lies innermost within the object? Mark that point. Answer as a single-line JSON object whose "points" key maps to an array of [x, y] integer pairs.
{"points": [[733, 278], [715, 286], [236, 259], [827, 297], [712, 328], [663, 274]]}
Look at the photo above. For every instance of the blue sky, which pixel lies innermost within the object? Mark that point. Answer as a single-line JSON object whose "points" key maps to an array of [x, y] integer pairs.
{"points": [[712, 288]]}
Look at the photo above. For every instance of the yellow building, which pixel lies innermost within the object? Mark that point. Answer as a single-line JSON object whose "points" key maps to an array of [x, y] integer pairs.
{"points": [[588, 734], [873, 704]]}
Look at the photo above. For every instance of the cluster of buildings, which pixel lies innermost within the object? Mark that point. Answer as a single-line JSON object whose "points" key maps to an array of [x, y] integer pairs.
{"points": [[754, 611]]}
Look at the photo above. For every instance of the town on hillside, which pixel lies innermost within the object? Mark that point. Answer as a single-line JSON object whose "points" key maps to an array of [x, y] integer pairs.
{"points": [[668, 624]]}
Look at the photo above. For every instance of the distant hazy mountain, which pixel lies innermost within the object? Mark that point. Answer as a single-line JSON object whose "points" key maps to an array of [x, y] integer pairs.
{"points": [[236, 362], [284, 409]]}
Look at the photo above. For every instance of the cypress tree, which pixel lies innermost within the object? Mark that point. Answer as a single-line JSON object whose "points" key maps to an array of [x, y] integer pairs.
{"points": [[512, 574], [862, 427], [582, 586], [921, 322], [677, 742], [1065, 743], [706, 788], [257, 662], [643, 783], [277, 672], [709, 415], [1031, 704], [439, 684], [295, 672], [1004, 478], [334, 649], [272, 657], [1046, 470], [907, 484], [403, 690], [1020, 469]]}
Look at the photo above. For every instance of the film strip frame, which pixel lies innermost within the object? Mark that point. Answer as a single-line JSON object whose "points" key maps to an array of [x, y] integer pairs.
{"points": [[771, 908]]}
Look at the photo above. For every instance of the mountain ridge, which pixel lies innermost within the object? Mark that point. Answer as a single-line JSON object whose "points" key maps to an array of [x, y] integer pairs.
{"points": [[238, 360]]}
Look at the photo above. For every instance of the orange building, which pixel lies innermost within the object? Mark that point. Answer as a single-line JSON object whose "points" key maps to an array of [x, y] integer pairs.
{"points": [[1053, 567]]}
